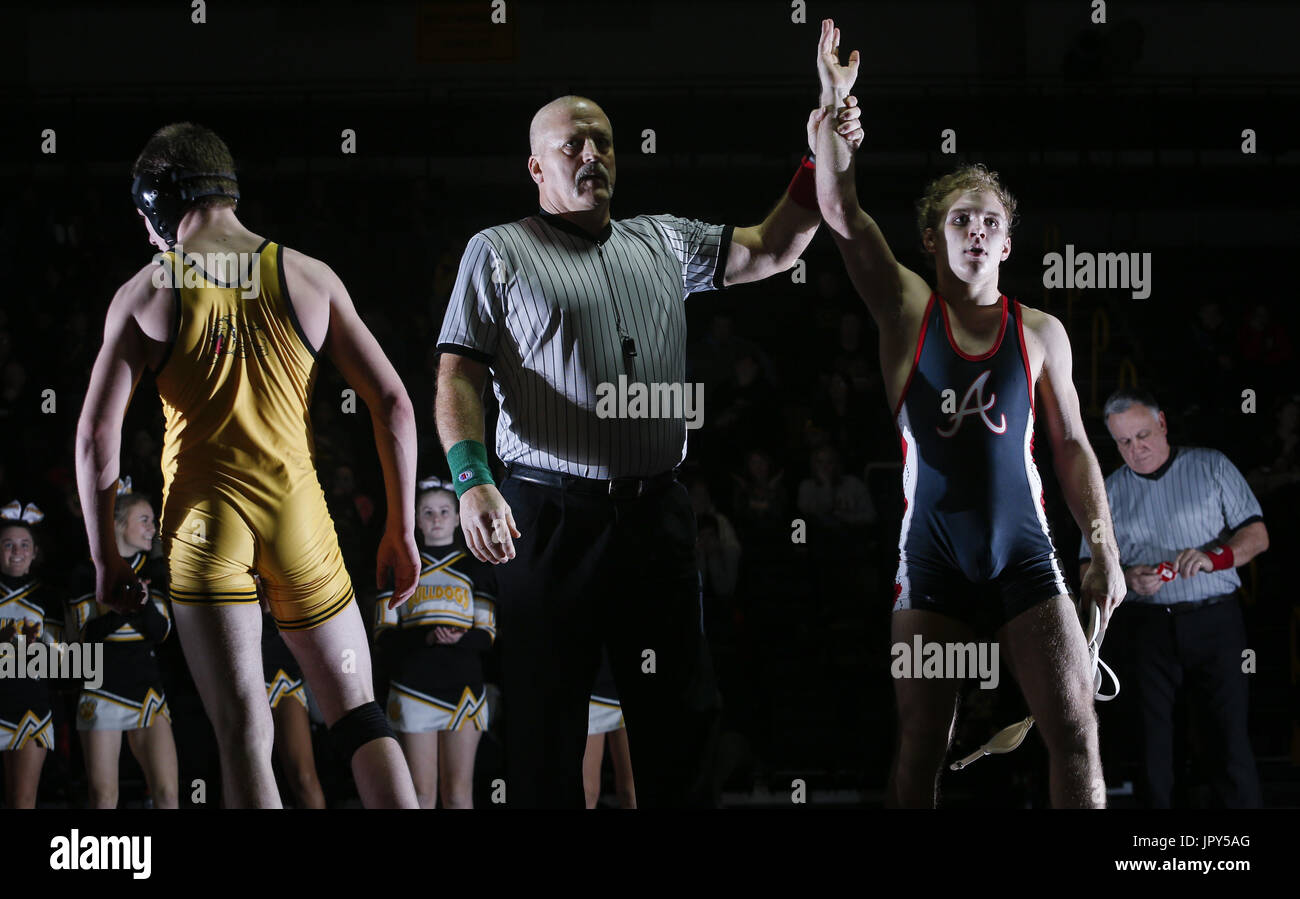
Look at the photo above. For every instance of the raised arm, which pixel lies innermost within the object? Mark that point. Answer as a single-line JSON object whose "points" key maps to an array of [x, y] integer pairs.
{"points": [[358, 356], [1076, 465], [775, 245], [766, 249], [882, 283], [837, 192]]}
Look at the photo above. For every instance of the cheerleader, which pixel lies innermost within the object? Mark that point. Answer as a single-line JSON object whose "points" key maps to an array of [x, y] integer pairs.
{"points": [[605, 726], [433, 647], [130, 697], [27, 613]]}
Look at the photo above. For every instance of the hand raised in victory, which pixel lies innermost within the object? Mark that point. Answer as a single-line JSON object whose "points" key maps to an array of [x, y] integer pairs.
{"points": [[836, 80]]}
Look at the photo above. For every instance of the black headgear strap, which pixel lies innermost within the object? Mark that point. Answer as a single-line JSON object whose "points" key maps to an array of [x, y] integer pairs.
{"points": [[163, 197]]}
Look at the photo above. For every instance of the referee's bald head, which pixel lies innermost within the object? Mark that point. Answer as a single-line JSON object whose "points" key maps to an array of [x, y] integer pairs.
{"points": [[559, 111], [572, 156]]}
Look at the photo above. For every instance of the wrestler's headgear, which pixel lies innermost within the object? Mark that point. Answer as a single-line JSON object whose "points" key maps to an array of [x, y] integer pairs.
{"points": [[164, 197]]}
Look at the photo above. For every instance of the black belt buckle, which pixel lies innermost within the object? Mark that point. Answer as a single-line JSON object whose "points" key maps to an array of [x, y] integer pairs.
{"points": [[618, 488]]}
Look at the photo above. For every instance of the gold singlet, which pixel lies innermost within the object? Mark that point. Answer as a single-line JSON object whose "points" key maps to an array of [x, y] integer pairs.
{"points": [[240, 492]]}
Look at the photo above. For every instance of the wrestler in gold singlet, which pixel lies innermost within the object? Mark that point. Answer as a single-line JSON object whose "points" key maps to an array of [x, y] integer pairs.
{"points": [[240, 491]]}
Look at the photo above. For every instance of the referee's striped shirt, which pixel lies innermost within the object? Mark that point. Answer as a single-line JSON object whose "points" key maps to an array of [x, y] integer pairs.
{"points": [[539, 300], [1195, 500]]}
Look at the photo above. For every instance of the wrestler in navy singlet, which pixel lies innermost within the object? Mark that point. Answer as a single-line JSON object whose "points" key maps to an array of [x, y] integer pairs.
{"points": [[975, 541]]}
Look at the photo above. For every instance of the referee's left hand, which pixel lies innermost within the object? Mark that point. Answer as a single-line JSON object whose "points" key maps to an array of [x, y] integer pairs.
{"points": [[1190, 561], [488, 524], [848, 124]]}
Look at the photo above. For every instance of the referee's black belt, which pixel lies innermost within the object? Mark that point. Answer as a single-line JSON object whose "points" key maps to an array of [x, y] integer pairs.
{"points": [[1182, 608], [614, 488]]}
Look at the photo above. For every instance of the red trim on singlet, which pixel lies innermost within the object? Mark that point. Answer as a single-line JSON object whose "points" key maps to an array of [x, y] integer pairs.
{"points": [[902, 445], [902, 442], [1024, 354], [1002, 330], [1029, 379], [916, 358]]}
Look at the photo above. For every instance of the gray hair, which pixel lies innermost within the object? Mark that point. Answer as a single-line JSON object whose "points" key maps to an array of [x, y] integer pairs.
{"points": [[1124, 398]]}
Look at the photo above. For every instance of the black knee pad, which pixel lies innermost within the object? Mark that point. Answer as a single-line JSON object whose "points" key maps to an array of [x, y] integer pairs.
{"points": [[358, 727]]}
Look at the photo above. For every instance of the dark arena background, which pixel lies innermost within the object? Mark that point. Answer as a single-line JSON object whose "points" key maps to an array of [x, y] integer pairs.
{"points": [[379, 137]]}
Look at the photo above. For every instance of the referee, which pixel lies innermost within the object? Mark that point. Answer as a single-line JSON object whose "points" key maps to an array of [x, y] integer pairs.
{"points": [[1181, 630], [597, 536]]}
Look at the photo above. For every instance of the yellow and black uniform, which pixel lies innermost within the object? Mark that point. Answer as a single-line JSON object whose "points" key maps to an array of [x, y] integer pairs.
{"points": [[25, 709], [280, 669], [130, 693], [439, 686], [240, 492], [604, 711]]}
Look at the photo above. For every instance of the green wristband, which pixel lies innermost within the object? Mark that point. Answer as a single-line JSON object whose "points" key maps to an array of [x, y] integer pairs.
{"points": [[468, 461]]}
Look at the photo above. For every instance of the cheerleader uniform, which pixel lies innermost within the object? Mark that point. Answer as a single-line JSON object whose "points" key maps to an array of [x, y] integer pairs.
{"points": [[440, 686], [26, 712], [131, 694], [279, 667], [604, 711]]}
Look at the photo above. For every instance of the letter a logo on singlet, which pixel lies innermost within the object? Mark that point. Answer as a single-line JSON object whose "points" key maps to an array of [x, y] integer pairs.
{"points": [[973, 403]]}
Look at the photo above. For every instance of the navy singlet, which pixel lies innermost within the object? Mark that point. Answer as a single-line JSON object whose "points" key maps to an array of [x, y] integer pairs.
{"points": [[974, 511]]}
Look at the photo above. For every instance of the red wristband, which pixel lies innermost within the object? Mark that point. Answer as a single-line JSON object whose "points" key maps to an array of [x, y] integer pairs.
{"points": [[1221, 558], [803, 186]]}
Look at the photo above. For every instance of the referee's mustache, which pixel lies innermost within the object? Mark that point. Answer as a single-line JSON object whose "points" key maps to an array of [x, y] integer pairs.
{"points": [[592, 169]]}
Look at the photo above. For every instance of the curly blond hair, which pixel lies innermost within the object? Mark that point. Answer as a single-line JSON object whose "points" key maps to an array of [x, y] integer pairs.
{"points": [[974, 176]]}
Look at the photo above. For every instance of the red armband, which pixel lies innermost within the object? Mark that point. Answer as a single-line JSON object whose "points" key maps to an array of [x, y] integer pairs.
{"points": [[803, 186], [1221, 558]]}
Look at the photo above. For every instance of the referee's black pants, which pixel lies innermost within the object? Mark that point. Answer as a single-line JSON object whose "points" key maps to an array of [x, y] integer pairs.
{"points": [[1198, 652], [591, 569]]}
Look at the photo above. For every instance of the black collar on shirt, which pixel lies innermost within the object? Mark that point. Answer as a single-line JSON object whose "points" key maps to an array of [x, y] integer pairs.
{"points": [[13, 583], [1160, 472], [560, 222]]}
